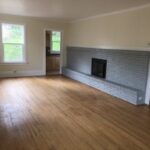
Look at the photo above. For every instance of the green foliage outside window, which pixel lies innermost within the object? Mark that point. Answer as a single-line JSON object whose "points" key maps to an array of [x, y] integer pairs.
{"points": [[56, 41], [13, 41]]}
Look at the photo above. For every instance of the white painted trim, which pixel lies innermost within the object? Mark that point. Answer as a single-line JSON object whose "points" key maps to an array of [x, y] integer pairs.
{"points": [[61, 51], [112, 13], [13, 63], [44, 52], [114, 48], [1, 45], [5, 74], [147, 96], [25, 51]]}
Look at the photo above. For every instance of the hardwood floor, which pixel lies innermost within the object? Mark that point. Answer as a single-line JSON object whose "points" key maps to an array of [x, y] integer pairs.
{"points": [[56, 113]]}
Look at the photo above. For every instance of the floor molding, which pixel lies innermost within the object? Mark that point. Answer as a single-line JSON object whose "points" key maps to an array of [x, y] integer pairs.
{"points": [[21, 73]]}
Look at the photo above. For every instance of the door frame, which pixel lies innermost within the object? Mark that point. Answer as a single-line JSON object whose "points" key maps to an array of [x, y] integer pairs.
{"points": [[147, 95], [61, 51]]}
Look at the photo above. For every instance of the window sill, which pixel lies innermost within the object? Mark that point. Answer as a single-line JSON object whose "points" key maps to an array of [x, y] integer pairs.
{"points": [[14, 63]]}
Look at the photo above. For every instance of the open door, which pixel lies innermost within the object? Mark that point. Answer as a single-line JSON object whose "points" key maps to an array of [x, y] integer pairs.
{"points": [[53, 48]]}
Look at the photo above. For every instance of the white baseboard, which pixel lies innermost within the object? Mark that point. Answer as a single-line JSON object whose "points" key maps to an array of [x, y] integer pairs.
{"points": [[21, 73]]}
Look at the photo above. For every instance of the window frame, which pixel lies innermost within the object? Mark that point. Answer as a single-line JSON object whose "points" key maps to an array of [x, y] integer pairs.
{"points": [[52, 51], [2, 62]]}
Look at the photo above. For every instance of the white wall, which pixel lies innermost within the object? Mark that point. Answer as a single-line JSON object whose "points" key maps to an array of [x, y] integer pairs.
{"points": [[124, 30], [35, 44], [127, 30]]}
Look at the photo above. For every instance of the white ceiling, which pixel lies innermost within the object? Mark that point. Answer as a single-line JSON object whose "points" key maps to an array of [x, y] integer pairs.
{"points": [[67, 10]]}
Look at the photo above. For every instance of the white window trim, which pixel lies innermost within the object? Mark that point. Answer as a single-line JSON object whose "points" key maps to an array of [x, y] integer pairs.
{"points": [[24, 46], [52, 51]]}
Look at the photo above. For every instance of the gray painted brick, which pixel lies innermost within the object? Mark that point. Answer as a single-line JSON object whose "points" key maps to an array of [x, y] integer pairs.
{"points": [[127, 94], [125, 68]]}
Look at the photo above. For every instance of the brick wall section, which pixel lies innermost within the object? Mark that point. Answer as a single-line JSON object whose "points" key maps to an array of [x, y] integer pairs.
{"points": [[127, 94], [127, 69]]}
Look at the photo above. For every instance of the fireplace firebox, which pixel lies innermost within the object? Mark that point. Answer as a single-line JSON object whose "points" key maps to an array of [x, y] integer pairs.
{"points": [[99, 67]]}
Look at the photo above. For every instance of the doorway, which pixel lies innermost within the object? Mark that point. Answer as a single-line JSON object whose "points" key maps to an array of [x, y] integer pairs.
{"points": [[147, 95], [53, 50]]}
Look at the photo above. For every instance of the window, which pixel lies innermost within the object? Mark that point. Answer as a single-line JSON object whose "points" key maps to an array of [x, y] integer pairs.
{"points": [[56, 42], [13, 43]]}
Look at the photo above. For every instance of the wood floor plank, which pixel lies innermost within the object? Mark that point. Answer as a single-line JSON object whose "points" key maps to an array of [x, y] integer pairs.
{"points": [[57, 113]]}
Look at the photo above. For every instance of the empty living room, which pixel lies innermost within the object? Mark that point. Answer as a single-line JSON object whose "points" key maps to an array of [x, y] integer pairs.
{"points": [[74, 75]]}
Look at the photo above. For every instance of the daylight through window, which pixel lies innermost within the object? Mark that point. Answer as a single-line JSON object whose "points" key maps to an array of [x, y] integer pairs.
{"points": [[13, 43], [56, 42]]}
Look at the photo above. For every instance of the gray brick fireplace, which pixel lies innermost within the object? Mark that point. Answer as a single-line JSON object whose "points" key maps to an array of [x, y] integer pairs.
{"points": [[126, 73]]}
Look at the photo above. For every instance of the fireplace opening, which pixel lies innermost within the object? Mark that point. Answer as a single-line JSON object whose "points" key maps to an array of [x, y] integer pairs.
{"points": [[99, 67]]}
